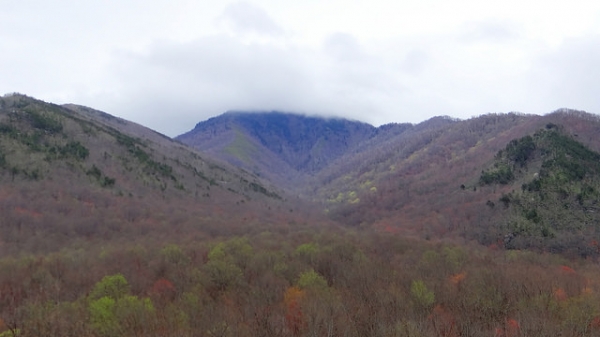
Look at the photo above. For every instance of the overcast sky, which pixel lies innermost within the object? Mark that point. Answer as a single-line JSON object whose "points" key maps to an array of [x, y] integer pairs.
{"points": [[168, 64]]}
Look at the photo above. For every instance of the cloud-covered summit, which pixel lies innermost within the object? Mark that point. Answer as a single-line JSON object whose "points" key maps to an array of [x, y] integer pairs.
{"points": [[170, 64]]}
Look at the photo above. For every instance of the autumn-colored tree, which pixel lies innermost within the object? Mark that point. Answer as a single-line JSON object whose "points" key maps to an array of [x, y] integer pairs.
{"points": [[293, 316]]}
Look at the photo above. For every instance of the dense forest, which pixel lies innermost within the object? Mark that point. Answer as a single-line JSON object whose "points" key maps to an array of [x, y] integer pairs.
{"points": [[298, 281], [484, 227]]}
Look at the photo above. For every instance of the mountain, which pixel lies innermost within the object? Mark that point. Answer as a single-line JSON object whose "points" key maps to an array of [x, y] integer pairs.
{"points": [[286, 148], [77, 172], [423, 180], [71, 171]]}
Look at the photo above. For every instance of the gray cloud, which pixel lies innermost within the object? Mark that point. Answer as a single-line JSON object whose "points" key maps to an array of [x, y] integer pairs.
{"points": [[170, 64], [208, 76], [568, 75]]}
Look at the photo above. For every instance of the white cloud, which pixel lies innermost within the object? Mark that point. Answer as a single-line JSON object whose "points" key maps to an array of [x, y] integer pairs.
{"points": [[245, 18], [169, 64]]}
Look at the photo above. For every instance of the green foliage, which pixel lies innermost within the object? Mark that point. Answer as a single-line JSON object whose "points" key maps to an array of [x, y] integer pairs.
{"points": [[134, 314], [455, 257], [223, 274], [134, 146], [430, 259], [520, 151], [113, 286], [43, 121], [307, 252], [556, 205], [117, 317], [75, 150], [501, 174], [236, 250], [421, 294], [261, 189], [102, 179], [173, 254], [241, 148], [94, 172], [311, 280], [103, 318]]}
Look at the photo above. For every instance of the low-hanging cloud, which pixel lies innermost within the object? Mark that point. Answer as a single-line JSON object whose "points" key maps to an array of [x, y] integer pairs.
{"points": [[180, 62]]}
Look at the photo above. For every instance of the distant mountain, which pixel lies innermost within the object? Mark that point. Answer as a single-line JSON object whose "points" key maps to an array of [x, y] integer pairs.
{"points": [[77, 172], [281, 146]]}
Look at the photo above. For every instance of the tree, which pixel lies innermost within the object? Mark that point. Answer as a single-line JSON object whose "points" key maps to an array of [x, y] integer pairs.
{"points": [[113, 286], [422, 296]]}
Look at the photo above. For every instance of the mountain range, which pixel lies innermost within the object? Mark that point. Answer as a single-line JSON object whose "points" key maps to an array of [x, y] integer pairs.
{"points": [[427, 180], [442, 178], [280, 224]]}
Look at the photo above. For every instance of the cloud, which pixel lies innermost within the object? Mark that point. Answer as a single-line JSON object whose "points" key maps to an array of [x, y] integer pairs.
{"points": [[493, 31], [178, 62], [567, 76], [245, 18]]}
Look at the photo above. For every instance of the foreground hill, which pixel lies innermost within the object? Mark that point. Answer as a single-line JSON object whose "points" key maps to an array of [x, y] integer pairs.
{"points": [[73, 172], [428, 181]]}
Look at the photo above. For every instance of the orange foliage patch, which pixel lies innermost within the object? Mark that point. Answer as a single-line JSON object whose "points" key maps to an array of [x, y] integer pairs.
{"points": [[457, 278], [293, 316], [567, 270], [163, 288], [560, 294], [293, 295]]}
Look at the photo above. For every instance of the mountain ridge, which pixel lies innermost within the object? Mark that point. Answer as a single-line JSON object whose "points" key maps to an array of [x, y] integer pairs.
{"points": [[111, 175], [421, 179]]}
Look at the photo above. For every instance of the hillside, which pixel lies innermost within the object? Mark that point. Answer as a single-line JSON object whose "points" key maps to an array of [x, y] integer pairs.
{"points": [[426, 181], [73, 172], [421, 180], [557, 207], [286, 148]]}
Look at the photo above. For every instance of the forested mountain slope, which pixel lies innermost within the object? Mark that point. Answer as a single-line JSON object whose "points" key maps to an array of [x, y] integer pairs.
{"points": [[428, 181], [75, 172], [557, 207], [422, 179]]}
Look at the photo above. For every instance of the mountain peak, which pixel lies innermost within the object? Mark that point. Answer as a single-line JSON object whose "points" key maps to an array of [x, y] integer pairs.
{"points": [[292, 144]]}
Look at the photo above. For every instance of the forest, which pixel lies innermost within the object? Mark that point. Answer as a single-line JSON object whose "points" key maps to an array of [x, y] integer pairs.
{"points": [[298, 281]]}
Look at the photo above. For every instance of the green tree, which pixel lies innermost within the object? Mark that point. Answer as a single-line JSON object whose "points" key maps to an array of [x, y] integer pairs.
{"points": [[112, 286], [422, 296], [311, 280], [102, 317]]}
